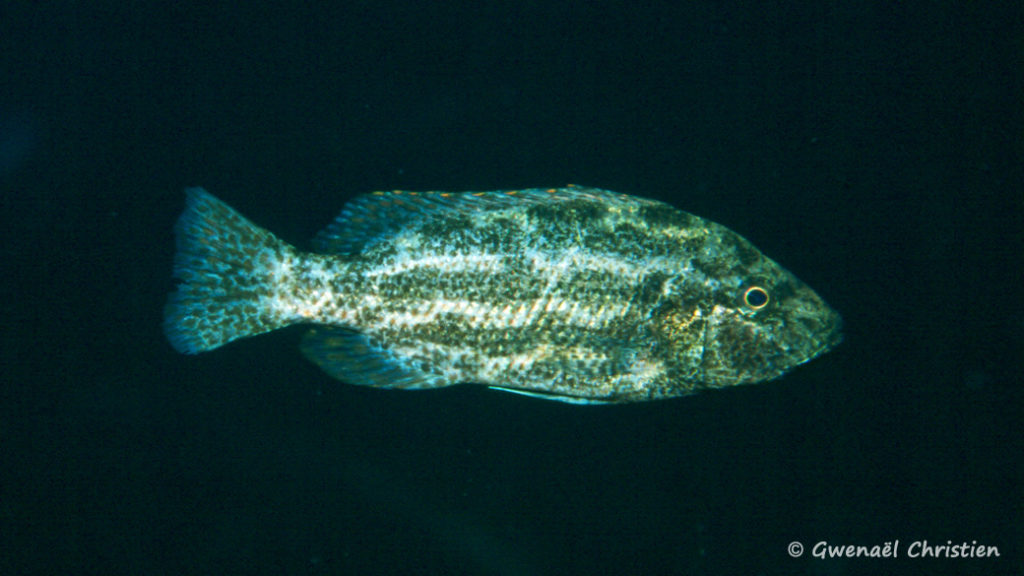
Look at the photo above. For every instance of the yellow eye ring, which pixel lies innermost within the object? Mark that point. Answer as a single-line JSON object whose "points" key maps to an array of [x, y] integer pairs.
{"points": [[755, 297]]}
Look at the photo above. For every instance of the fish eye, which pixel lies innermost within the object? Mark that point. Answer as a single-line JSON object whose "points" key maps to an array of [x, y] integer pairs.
{"points": [[755, 297]]}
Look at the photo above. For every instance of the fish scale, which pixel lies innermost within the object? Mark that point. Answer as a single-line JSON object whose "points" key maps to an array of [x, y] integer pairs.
{"points": [[574, 294]]}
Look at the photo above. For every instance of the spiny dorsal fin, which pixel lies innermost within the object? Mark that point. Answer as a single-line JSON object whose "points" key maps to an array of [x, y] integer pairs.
{"points": [[372, 217]]}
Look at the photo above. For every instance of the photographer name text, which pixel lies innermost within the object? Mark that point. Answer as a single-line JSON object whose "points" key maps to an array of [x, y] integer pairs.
{"points": [[894, 549]]}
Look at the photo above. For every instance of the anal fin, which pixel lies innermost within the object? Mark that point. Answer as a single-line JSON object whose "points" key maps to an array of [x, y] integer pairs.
{"points": [[350, 357]]}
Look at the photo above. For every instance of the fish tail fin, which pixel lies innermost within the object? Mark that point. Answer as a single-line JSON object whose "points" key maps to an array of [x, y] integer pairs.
{"points": [[229, 270]]}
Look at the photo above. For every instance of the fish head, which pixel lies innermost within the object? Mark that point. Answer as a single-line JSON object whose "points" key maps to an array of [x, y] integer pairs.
{"points": [[752, 319]]}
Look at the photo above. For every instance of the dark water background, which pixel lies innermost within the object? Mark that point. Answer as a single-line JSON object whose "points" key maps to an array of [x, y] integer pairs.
{"points": [[873, 148]]}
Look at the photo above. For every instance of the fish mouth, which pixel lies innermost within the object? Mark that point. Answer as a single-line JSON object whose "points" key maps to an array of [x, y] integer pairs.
{"points": [[812, 325], [824, 334], [832, 328], [836, 334]]}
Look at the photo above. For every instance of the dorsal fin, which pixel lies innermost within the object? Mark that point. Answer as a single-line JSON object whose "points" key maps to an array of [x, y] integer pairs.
{"points": [[374, 216]]}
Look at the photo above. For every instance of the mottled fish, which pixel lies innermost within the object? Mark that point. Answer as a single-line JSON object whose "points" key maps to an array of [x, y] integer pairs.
{"points": [[574, 294]]}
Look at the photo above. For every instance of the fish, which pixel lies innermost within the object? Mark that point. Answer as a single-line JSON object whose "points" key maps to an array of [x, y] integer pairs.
{"points": [[575, 294]]}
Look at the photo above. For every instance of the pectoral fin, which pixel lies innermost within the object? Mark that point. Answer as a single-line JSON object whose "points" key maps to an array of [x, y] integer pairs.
{"points": [[550, 396]]}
